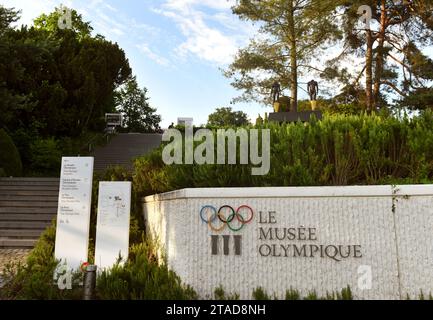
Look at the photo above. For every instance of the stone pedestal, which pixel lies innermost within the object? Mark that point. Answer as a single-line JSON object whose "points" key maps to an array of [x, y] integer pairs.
{"points": [[313, 105], [303, 116]]}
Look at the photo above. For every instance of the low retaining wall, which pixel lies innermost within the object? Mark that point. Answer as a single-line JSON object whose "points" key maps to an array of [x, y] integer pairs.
{"points": [[376, 239]]}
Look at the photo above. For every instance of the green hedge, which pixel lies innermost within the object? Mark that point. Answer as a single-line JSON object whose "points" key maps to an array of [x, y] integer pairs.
{"points": [[339, 150], [10, 160]]}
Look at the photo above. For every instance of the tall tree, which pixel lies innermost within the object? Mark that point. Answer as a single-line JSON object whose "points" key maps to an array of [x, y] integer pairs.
{"points": [[291, 34], [7, 17], [400, 29], [133, 103], [227, 117]]}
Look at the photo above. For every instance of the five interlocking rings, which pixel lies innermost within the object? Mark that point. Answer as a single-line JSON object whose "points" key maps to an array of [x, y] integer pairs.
{"points": [[219, 214]]}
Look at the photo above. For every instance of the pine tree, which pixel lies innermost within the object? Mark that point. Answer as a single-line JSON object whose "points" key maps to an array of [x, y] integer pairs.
{"points": [[401, 30], [291, 34]]}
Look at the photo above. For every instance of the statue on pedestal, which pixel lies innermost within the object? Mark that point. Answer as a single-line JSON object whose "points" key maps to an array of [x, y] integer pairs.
{"points": [[313, 90], [275, 93]]}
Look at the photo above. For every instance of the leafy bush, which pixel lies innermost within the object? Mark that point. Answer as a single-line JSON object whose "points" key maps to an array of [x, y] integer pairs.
{"points": [[46, 156], [10, 160], [142, 278], [339, 150], [34, 279]]}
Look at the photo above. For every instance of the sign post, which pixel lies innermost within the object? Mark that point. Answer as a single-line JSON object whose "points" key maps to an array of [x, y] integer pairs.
{"points": [[112, 228], [73, 214]]}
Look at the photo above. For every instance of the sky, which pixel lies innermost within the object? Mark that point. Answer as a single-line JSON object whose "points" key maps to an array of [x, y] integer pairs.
{"points": [[176, 48]]}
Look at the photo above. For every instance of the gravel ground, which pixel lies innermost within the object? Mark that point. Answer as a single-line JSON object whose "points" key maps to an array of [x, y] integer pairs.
{"points": [[12, 255]]}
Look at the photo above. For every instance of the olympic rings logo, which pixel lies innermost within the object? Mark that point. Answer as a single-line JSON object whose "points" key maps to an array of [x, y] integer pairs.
{"points": [[226, 216]]}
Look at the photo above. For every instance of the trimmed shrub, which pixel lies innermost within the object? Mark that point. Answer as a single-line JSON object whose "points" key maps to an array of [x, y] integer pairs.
{"points": [[34, 279], [142, 278], [339, 150], [10, 160]]}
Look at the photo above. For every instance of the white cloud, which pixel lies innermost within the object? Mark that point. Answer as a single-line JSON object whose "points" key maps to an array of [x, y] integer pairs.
{"points": [[144, 48], [216, 44]]}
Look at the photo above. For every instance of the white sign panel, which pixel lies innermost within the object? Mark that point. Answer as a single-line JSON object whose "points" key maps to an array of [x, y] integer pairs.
{"points": [[73, 214], [112, 228]]}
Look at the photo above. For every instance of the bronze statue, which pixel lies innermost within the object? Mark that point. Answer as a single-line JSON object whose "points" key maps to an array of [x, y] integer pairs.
{"points": [[275, 93], [313, 90]]}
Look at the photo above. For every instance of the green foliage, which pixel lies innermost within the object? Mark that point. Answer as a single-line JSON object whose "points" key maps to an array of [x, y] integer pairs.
{"points": [[34, 279], [138, 115], [290, 36], [7, 17], [260, 294], [142, 278], [227, 117], [312, 295], [339, 150], [292, 294], [55, 83], [220, 294], [10, 160], [46, 156]]}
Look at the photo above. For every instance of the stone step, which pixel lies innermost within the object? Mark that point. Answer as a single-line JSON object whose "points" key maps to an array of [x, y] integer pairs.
{"points": [[32, 204], [36, 193], [17, 243], [29, 180], [28, 198], [26, 217], [123, 148], [28, 210], [27, 207], [20, 233], [40, 184], [4, 188], [39, 225]]}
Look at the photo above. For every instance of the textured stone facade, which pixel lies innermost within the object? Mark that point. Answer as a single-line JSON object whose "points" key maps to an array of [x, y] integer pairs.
{"points": [[387, 229]]}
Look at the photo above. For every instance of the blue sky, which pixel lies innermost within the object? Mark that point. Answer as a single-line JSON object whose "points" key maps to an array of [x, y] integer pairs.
{"points": [[175, 47]]}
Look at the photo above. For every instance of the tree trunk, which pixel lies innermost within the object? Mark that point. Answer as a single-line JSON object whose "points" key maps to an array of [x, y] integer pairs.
{"points": [[379, 55], [369, 72], [293, 60]]}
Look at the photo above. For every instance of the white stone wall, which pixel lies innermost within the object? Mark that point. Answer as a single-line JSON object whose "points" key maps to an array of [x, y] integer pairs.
{"points": [[393, 226]]}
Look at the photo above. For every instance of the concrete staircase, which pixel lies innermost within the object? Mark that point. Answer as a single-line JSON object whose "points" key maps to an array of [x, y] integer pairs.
{"points": [[123, 148], [27, 207]]}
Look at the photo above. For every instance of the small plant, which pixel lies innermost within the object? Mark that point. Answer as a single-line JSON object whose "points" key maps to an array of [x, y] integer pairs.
{"points": [[346, 294], [142, 278], [260, 294], [312, 295], [220, 294], [292, 294]]}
